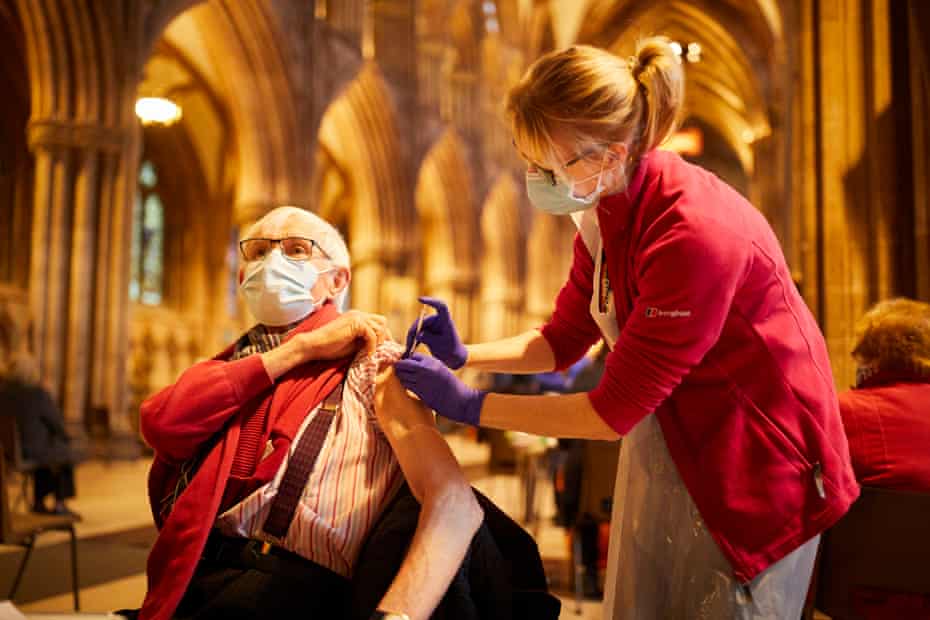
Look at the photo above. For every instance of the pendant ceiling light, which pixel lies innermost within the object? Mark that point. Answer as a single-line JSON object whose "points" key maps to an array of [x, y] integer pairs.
{"points": [[157, 111]]}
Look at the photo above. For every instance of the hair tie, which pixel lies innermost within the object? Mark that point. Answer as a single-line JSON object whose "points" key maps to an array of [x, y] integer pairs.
{"points": [[636, 69]]}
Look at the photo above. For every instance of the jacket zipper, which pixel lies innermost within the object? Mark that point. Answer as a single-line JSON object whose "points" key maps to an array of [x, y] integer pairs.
{"points": [[818, 480]]}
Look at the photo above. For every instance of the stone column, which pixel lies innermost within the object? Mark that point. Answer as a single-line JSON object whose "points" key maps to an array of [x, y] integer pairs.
{"points": [[51, 249], [76, 301], [852, 163], [39, 262], [881, 156], [844, 206], [81, 280], [919, 45], [805, 230], [118, 189], [463, 303], [107, 241]]}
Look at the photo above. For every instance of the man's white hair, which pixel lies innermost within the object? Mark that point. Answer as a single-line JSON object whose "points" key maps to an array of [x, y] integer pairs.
{"points": [[324, 233]]}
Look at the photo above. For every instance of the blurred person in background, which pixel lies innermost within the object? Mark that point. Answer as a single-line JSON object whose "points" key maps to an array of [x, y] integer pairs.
{"points": [[887, 413], [43, 438]]}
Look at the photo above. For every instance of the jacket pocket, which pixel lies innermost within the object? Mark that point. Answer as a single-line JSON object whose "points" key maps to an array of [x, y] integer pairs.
{"points": [[788, 447], [752, 485]]}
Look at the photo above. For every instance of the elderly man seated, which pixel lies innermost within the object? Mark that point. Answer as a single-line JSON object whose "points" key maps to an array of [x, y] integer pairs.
{"points": [[275, 458]]}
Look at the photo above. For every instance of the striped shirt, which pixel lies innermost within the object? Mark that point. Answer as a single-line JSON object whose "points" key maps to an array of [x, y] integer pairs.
{"points": [[354, 477]]}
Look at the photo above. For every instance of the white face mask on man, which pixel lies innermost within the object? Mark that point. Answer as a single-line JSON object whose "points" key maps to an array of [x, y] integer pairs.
{"points": [[276, 289]]}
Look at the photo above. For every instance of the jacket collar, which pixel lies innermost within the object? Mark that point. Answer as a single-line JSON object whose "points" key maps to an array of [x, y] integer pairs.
{"points": [[888, 377], [617, 212]]}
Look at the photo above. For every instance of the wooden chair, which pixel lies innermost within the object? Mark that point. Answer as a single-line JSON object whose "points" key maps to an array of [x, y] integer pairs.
{"points": [[882, 543], [22, 529], [10, 441]]}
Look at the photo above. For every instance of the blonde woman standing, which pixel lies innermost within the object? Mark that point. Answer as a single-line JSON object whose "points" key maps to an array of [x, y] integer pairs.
{"points": [[734, 458]]}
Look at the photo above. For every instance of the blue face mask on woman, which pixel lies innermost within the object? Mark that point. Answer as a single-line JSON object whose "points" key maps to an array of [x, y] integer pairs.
{"points": [[549, 194]]}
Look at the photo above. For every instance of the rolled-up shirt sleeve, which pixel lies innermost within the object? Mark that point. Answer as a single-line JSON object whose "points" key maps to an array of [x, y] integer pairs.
{"points": [[687, 279], [571, 331]]}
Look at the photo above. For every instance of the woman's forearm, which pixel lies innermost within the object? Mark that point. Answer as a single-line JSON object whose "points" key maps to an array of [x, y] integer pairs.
{"points": [[566, 416], [526, 353]]}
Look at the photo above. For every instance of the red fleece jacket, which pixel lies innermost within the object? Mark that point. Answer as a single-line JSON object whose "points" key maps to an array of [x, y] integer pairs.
{"points": [[717, 342]]}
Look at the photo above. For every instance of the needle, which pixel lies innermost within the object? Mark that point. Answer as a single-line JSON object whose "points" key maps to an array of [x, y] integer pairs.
{"points": [[416, 334]]}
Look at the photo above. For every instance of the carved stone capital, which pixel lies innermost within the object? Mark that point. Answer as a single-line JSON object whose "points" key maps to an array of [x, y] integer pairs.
{"points": [[49, 133]]}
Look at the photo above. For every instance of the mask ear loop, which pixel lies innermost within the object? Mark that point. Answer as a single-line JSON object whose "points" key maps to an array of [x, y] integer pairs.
{"points": [[319, 273], [597, 188], [600, 175]]}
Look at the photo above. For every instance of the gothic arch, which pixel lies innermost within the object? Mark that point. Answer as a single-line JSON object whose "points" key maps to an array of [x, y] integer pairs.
{"points": [[239, 44], [81, 60], [740, 87], [502, 264], [359, 135], [465, 34], [725, 90], [548, 258], [757, 24], [541, 35], [85, 64], [446, 205]]}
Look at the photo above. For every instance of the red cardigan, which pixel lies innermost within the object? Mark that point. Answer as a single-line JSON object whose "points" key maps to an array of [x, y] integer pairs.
{"points": [[888, 426], [232, 401], [716, 340]]}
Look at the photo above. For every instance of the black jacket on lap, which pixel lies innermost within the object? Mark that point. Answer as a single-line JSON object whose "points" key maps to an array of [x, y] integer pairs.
{"points": [[502, 576]]}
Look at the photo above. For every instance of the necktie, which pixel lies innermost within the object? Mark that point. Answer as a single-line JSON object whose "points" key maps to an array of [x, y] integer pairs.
{"points": [[300, 465]]}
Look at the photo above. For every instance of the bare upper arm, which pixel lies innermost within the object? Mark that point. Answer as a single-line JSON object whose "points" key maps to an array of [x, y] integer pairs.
{"points": [[423, 454], [396, 410]]}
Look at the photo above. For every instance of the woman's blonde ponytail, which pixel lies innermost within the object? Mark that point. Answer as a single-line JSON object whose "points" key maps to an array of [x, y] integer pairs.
{"points": [[598, 98], [658, 70]]}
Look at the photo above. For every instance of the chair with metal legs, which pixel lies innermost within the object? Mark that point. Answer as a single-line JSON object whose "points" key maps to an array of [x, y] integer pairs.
{"points": [[17, 463], [22, 529]]}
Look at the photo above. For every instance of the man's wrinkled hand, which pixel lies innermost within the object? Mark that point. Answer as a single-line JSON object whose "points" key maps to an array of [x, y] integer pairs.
{"points": [[342, 337]]}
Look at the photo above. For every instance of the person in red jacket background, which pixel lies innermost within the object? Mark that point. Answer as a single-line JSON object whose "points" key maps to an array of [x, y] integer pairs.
{"points": [[722, 494], [887, 414]]}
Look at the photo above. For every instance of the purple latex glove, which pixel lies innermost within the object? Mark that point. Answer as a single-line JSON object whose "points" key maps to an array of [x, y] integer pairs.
{"points": [[552, 381], [441, 390], [439, 334]]}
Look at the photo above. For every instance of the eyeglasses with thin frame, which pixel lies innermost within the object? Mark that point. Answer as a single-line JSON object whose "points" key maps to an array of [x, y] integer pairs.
{"points": [[295, 248], [550, 174]]}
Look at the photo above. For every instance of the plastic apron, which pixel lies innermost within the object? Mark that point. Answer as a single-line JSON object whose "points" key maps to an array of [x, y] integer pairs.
{"points": [[662, 561]]}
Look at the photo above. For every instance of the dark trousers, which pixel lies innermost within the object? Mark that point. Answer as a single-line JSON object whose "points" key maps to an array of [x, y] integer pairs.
{"points": [[236, 581], [56, 479]]}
